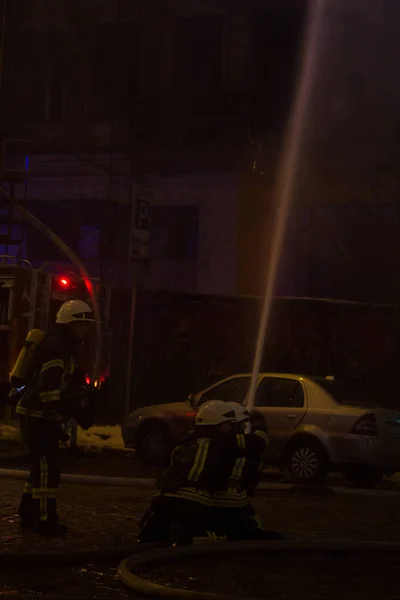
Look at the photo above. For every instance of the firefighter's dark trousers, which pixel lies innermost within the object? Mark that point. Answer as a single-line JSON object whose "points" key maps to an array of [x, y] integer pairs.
{"points": [[172, 520], [241, 524], [38, 501]]}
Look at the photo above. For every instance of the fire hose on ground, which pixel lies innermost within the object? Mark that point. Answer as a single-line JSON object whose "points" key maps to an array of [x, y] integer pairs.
{"points": [[142, 556], [140, 586]]}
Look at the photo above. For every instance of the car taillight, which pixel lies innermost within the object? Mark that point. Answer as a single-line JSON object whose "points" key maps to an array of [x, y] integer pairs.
{"points": [[367, 425]]}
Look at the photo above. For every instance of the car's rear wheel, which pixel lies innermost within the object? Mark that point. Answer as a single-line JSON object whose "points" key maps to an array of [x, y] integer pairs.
{"points": [[363, 477], [154, 444], [307, 461]]}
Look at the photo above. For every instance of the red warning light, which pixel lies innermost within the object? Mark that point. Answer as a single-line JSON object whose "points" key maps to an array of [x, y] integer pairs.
{"points": [[64, 282]]}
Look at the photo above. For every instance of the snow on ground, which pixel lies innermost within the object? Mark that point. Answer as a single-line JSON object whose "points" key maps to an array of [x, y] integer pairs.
{"points": [[101, 437], [8, 432], [97, 437]]}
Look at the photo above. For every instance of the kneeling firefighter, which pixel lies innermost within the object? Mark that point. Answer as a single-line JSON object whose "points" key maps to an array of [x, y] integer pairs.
{"points": [[51, 395], [233, 513], [180, 512]]}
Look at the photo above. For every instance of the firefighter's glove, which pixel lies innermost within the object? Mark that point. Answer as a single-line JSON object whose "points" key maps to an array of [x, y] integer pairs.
{"points": [[15, 396]]}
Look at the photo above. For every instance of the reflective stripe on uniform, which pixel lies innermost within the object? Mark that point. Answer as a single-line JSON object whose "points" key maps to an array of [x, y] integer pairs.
{"points": [[230, 499], [240, 462], [263, 435], [258, 520], [28, 488], [237, 471], [199, 461], [50, 396], [192, 495], [38, 492], [241, 440], [201, 539], [53, 364], [39, 414], [211, 537]]}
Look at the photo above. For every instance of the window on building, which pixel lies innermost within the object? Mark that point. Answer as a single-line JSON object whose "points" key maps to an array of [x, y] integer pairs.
{"points": [[174, 233], [198, 55], [89, 241], [277, 37], [115, 69], [6, 243]]}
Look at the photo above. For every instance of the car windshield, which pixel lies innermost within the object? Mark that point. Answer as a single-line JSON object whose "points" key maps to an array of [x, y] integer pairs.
{"points": [[346, 393]]}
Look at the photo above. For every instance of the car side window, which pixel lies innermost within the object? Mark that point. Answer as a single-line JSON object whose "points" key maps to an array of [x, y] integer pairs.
{"points": [[279, 393], [234, 390]]}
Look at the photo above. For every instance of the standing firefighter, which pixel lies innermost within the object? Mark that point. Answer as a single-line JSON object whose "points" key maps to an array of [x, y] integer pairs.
{"points": [[51, 396]]}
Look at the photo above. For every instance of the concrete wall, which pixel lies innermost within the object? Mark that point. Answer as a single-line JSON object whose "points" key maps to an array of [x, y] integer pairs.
{"points": [[214, 272]]}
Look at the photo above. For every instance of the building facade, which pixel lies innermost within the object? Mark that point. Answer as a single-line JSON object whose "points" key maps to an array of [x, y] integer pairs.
{"points": [[188, 98], [118, 92]]}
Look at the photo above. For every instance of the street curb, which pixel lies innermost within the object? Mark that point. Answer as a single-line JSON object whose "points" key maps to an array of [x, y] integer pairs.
{"points": [[340, 491], [86, 479], [15, 454], [149, 483]]}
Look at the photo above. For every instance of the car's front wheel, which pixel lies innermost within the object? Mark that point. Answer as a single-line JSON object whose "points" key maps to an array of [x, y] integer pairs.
{"points": [[154, 444], [307, 461]]}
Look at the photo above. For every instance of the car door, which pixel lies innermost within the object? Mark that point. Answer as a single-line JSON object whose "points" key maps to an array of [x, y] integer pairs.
{"points": [[282, 402]]}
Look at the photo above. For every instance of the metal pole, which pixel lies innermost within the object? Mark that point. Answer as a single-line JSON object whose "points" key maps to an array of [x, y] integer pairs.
{"points": [[129, 370], [3, 33]]}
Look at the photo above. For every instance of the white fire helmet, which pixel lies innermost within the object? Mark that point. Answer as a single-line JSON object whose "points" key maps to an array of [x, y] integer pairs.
{"points": [[241, 412], [215, 412], [75, 310]]}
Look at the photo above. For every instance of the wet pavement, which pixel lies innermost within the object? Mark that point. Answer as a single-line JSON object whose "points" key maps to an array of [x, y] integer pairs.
{"points": [[89, 581], [296, 577], [104, 517]]}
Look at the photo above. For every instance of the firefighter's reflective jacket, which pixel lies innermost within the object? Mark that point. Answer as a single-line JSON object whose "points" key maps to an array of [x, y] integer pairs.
{"points": [[200, 466], [244, 465], [256, 445], [46, 395]]}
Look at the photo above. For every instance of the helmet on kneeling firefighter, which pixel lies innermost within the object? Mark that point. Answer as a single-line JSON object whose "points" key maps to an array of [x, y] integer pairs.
{"points": [[247, 422], [77, 316], [216, 414], [242, 417]]}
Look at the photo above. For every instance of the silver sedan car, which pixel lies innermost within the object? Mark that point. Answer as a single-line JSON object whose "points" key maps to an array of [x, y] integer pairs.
{"points": [[315, 424]]}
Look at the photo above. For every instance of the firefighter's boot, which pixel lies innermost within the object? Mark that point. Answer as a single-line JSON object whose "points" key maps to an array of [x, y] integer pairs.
{"points": [[51, 528], [26, 509]]}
